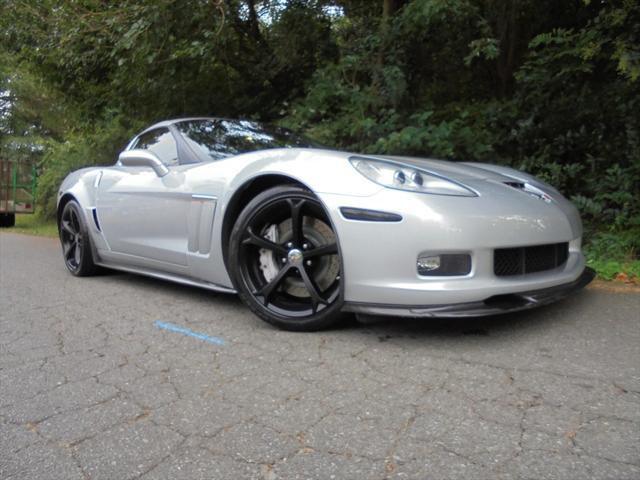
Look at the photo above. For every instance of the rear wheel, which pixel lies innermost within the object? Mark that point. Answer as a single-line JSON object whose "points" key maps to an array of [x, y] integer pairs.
{"points": [[285, 261], [75, 240]]}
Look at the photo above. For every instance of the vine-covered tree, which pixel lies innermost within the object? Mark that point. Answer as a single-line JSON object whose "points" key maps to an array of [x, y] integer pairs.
{"points": [[549, 86]]}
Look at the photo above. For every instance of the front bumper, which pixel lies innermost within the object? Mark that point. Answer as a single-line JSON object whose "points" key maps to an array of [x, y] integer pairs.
{"points": [[495, 305], [379, 258]]}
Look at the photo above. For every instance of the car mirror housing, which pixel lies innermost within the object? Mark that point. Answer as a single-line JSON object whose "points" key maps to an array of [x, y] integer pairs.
{"points": [[143, 158]]}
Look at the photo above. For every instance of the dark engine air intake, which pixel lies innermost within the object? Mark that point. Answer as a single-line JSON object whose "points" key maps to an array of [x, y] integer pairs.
{"points": [[523, 260]]}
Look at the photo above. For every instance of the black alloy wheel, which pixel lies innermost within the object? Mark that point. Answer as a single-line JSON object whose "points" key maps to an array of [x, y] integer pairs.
{"points": [[75, 240], [285, 260]]}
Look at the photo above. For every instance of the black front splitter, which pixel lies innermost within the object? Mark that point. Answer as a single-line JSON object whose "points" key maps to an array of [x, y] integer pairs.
{"points": [[496, 305]]}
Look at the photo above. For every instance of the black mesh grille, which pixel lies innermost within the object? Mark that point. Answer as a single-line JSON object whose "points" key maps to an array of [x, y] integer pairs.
{"points": [[522, 260]]}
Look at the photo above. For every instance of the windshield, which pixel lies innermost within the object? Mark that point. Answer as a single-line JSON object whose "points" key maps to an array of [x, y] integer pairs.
{"points": [[218, 138]]}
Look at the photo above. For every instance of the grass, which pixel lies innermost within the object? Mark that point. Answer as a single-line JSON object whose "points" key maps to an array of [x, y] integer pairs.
{"points": [[626, 271], [613, 257], [35, 225], [614, 254]]}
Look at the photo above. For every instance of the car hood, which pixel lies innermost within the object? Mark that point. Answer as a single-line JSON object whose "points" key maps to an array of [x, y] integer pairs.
{"points": [[489, 183]]}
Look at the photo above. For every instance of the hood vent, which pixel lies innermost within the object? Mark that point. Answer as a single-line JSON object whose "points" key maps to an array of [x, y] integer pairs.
{"points": [[530, 189]]}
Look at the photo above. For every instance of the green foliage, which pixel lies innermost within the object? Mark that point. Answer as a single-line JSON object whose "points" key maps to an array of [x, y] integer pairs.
{"points": [[35, 225], [575, 120], [613, 269], [487, 48], [615, 252], [457, 138], [546, 86], [83, 148]]}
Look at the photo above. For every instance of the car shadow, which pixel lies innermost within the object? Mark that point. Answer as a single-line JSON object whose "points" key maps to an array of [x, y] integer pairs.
{"points": [[504, 325], [386, 328]]}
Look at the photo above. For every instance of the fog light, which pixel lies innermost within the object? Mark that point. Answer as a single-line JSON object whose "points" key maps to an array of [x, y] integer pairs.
{"points": [[428, 264], [445, 264]]}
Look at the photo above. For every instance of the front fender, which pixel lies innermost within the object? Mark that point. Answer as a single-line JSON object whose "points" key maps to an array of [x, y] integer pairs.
{"points": [[322, 171], [81, 186]]}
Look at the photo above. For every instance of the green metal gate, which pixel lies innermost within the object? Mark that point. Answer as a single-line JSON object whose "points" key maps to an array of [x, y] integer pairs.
{"points": [[17, 189]]}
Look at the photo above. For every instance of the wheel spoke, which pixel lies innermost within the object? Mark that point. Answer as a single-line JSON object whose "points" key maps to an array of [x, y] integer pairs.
{"points": [[75, 223], [282, 293], [269, 289], [67, 249], [330, 249], [312, 288], [66, 226], [262, 242], [77, 255], [296, 221]]}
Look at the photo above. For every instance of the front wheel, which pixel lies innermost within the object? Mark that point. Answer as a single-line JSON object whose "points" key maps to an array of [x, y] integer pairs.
{"points": [[284, 259]]}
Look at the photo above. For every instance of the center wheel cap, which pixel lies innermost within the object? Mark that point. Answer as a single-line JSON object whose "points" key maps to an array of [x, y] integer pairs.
{"points": [[295, 257]]}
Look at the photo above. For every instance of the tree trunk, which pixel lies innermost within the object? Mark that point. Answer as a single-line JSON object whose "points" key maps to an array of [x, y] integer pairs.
{"points": [[508, 32], [389, 7]]}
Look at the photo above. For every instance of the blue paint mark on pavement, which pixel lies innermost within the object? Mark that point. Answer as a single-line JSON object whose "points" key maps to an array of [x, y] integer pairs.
{"points": [[186, 331]]}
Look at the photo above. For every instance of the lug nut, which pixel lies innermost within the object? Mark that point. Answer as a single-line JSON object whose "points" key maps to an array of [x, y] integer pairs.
{"points": [[289, 245], [305, 246], [309, 263]]}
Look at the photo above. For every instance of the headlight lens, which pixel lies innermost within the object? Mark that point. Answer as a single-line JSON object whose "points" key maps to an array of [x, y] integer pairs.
{"points": [[403, 177]]}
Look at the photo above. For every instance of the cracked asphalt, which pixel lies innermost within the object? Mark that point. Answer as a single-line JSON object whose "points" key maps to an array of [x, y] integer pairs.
{"points": [[91, 389]]}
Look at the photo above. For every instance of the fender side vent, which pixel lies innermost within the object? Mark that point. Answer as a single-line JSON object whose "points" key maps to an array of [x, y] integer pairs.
{"points": [[94, 212]]}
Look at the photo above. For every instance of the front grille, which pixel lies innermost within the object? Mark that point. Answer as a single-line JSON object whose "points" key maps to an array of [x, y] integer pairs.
{"points": [[523, 260]]}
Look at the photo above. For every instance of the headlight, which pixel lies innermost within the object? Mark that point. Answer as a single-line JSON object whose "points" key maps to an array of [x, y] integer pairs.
{"points": [[403, 177]]}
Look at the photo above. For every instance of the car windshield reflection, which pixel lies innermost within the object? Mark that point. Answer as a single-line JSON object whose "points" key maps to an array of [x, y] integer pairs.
{"points": [[218, 138]]}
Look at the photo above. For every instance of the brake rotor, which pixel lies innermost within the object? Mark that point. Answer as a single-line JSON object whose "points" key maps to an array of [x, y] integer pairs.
{"points": [[324, 270]]}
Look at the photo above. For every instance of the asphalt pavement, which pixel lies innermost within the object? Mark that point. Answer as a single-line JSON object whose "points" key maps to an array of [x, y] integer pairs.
{"points": [[124, 377]]}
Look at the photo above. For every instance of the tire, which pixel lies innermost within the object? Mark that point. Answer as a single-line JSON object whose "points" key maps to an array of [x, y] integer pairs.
{"points": [[7, 220], [284, 260], [76, 242]]}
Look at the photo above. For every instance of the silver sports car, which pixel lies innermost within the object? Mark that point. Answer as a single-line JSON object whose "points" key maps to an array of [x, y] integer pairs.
{"points": [[303, 234]]}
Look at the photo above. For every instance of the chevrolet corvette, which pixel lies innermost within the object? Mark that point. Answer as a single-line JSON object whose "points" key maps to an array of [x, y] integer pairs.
{"points": [[303, 233]]}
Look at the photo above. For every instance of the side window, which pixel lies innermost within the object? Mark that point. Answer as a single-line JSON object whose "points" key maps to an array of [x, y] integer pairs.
{"points": [[205, 136], [161, 143]]}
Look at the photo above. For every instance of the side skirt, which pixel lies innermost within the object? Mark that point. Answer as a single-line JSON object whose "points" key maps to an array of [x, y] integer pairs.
{"points": [[169, 277]]}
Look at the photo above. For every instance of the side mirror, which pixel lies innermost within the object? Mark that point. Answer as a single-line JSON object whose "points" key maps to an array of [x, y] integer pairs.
{"points": [[143, 158]]}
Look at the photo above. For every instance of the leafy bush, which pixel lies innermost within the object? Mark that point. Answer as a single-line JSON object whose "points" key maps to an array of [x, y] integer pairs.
{"points": [[80, 149], [435, 83], [545, 86], [615, 252]]}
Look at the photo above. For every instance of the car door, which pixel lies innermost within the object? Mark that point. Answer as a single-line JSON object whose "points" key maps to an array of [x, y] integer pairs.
{"points": [[144, 216]]}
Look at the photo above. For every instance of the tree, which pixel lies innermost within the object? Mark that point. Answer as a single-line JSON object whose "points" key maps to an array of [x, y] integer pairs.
{"points": [[548, 86]]}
